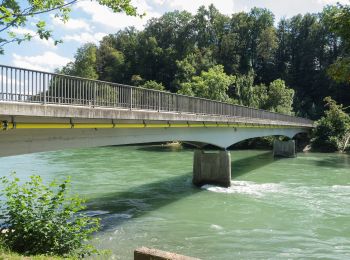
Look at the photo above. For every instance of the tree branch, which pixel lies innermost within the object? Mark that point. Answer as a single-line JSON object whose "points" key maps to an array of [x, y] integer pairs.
{"points": [[7, 42], [39, 12], [346, 142], [14, 20]]}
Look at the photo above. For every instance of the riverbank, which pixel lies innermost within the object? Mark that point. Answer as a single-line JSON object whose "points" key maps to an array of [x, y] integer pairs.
{"points": [[8, 255]]}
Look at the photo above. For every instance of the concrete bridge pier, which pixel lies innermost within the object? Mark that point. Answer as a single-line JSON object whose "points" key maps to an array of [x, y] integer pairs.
{"points": [[212, 167], [284, 148]]}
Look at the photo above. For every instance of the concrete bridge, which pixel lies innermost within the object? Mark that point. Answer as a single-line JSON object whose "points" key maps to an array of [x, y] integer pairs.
{"points": [[42, 111]]}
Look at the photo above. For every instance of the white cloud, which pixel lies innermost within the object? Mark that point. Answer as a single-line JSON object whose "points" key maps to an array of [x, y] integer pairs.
{"points": [[48, 61], [224, 6], [71, 24], [22, 31], [332, 2], [85, 37], [102, 15], [159, 2]]}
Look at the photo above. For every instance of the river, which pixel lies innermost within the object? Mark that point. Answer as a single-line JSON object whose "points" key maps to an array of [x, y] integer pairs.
{"points": [[276, 208]]}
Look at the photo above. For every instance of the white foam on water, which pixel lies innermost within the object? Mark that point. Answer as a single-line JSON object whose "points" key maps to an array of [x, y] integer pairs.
{"points": [[93, 213], [216, 227], [122, 215], [246, 187], [341, 188]]}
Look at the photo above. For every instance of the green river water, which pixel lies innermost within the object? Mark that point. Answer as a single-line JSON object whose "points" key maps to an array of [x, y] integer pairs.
{"points": [[276, 209]]}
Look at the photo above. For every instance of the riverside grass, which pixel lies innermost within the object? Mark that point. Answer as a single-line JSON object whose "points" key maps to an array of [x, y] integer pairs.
{"points": [[5, 254]]}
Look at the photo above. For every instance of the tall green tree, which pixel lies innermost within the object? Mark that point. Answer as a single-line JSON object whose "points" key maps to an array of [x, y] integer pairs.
{"points": [[84, 64], [193, 64], [212, 84], [244, 90], [338, 19], [279, 98], [110, 62]]}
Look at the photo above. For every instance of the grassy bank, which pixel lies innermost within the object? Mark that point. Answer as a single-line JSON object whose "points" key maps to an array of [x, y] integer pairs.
{"points": [[6, 254]]}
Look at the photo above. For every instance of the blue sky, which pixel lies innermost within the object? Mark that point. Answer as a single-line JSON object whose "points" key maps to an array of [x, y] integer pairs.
{"points": [[89, 22]]}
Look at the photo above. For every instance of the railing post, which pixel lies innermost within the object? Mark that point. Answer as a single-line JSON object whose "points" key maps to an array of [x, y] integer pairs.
{"points": [[159, 102], [44, 88], [94, 101], [131, 90]]}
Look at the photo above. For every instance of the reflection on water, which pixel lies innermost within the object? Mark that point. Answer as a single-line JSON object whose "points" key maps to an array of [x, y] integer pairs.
{"points": [[287, 208]]}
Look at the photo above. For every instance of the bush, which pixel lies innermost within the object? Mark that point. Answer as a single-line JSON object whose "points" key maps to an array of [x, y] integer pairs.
{"points": [[40, 219], [332, 131], [151, 84]]}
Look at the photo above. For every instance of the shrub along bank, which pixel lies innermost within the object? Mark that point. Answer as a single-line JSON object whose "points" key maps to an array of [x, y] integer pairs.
{"points": [[39, 219]]}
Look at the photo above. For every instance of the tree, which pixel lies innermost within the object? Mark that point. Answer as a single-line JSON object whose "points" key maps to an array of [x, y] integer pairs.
{"points": [[110, 62], [193, 64], [151, 84], [332, 131], [208, 27], [211, 84], [172, 30], [262, 37], [340, 70], [244, 86], [338, 19], [306, 47], [15, 13], [279, 98], [84, 64], [275, 97], [266, 49]]}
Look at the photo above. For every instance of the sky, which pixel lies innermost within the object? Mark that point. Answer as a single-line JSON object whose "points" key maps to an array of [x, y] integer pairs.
{"points": [[90, 22]]}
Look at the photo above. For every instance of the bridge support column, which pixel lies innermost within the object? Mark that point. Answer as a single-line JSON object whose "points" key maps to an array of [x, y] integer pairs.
{"points": [[284, 148], [212, 167]]}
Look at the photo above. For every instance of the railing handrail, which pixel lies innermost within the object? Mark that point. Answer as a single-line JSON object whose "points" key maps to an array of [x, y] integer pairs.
{"points": [[147, 90]]}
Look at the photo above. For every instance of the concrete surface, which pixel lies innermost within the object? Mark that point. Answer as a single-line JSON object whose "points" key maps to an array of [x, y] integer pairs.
{"points": [[145, 253], [284, 148], [212, 167]]}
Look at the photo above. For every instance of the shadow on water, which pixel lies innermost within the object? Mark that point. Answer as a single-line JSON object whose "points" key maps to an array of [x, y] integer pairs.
{"points": [[245, 165], [161, 148], [334, 160], [118, 207], [115, 208]]}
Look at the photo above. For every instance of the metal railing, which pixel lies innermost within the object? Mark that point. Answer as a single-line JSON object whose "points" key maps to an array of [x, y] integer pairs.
{"points": [[24, 85]]}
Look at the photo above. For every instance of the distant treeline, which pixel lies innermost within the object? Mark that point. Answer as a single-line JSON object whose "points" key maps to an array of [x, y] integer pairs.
{"points": [[244, 58]]}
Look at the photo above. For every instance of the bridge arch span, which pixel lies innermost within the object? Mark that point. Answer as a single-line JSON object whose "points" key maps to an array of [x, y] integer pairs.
{"points": [[254, 134], [22, 141]]}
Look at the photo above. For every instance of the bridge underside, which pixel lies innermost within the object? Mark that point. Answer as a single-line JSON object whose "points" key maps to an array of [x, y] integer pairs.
{"points": [[29, 128], [22, 141]]}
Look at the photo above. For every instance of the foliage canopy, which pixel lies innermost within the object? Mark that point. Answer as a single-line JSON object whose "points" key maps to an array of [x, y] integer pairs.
{"points": [[212, 84], [337, 18]]}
